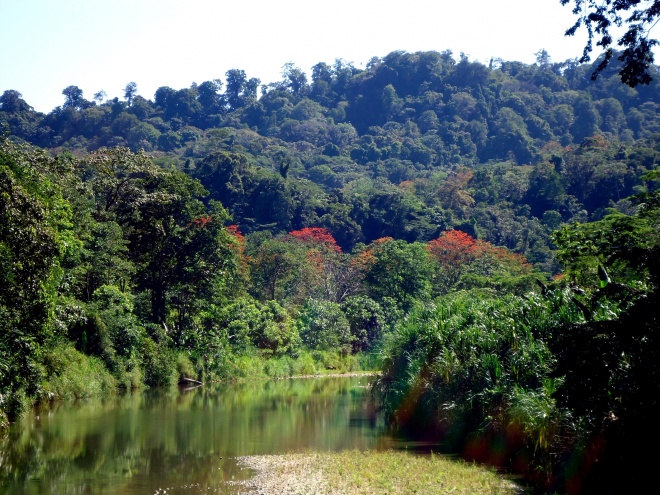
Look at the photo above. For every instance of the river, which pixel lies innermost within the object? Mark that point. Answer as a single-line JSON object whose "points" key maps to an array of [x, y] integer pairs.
{"points": [[182, 441]]}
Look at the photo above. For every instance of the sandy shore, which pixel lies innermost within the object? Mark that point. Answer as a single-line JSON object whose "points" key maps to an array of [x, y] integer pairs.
{"points": [[290, 474]]}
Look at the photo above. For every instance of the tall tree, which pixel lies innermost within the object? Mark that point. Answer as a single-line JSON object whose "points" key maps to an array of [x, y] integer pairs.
{"points": [[397, 272], [130, 92], [74, 98], [12, 101]]}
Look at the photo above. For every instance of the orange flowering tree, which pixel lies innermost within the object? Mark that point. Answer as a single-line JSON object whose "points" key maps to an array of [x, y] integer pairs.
{"points": [[462, 261], [330, 274]]}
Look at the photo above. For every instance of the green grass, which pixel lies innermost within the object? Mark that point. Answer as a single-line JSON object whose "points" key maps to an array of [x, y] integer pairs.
{"points": [[74, 375], [370, 472]]}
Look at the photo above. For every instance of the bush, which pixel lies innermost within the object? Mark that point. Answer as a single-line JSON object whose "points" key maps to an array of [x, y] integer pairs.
{"points": [[279, 367], [265, 326], [477, 365], [159, 364], [185, 367]]}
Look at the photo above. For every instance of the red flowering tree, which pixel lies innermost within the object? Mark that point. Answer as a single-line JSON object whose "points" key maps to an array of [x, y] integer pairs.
{"points": [[202, 222], [237, 245], [316, 237], [238, 240], [453, 249]]}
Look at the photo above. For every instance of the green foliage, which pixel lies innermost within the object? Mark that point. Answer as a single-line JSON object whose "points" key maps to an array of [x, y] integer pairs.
{"points": [[275, 269], [159, 363], [266, 326], [472, 363], [129, 259], [115, 309], [286, 366], [367, 321], [34, 232], [73, 375], [611, 367], [637, 56], [399, 271], [324, 327]]}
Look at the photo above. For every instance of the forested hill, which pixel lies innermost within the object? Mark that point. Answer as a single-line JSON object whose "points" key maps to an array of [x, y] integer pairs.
{"points": [[486, 236], [410, 146]]}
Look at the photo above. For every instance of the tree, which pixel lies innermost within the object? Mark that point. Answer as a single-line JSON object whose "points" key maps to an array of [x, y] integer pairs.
{"points": [[130, 91], [181, 251], [611, 367], [35, 233], [316, 237], [598, 17], [294, 79], [452, 252], [366, 319], [325, 327], [12, 101], [464, 262], [239, 90], [99, 96], [74, 98], [274, 268], [543, 58], [328, 274], [208, 95], [397, 271]]}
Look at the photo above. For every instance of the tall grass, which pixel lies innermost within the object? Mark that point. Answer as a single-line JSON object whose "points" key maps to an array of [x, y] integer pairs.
{"points": [[73, 375]]}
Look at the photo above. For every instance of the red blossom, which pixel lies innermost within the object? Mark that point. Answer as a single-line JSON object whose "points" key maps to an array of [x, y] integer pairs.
{"points": [[455, 248], [233, 230], [202, 221], [316, 236]]}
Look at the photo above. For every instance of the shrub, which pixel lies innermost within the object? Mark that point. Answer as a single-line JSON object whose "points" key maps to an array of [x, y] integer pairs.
{"points": [[473, 364]]}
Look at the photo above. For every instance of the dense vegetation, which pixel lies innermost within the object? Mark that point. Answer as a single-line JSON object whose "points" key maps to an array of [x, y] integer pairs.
{"points": [[491, 233]]}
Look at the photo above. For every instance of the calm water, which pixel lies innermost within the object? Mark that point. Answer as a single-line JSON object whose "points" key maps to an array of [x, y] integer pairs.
{"points": [[183, 441]]}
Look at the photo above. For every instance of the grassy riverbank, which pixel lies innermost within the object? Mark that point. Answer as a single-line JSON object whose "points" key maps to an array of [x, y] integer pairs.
{"points": [[365, 473], [74, 375]]}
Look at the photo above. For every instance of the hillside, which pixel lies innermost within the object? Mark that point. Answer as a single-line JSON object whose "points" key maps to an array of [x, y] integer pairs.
{"points": [[414, 144]]}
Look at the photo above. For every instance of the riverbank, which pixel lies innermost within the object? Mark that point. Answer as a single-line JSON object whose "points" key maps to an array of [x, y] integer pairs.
{"points": [[371, 472]]}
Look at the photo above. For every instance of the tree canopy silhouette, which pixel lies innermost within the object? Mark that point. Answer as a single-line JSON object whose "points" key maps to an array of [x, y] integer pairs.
{"points": [[638, 17]]}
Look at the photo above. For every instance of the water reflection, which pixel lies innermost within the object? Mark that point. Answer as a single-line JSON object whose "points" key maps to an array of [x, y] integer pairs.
{"points": [[182, 440]]}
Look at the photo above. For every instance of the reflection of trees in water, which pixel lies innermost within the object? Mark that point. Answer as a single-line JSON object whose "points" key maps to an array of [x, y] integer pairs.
{"points": [[169, 438]]}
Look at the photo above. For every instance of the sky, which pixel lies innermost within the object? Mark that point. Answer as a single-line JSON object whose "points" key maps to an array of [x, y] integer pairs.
{"points": [[47, 45]]}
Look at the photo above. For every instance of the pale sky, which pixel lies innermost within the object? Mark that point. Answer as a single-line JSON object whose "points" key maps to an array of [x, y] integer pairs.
{"points": [[47, 45]]}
